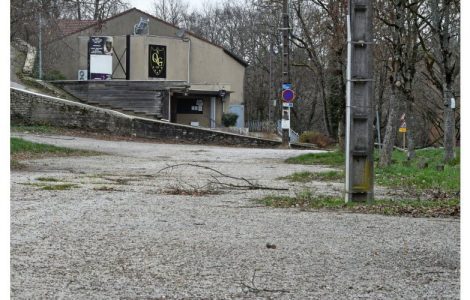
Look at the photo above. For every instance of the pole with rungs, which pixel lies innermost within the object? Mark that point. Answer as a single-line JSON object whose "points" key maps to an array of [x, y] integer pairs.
{"points": [[40, 47], [360, 109], [285, 64]]}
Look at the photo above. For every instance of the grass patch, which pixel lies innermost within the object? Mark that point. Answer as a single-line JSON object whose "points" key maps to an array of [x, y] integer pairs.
{"points": [[16, 165], [48, 179], [191, 192], [59, 187], [402, 173], [310, 176], [425, 208], [22, 149], [105, 188], [409, 175], [32, 83], [333, 158], [36, 129]]}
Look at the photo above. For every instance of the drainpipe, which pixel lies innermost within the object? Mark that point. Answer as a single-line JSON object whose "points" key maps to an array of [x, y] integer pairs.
{"points": [[188, 40], [169, 105]]}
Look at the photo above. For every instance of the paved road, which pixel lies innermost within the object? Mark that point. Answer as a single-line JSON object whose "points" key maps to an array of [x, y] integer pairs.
{"points": [[119, 234]]}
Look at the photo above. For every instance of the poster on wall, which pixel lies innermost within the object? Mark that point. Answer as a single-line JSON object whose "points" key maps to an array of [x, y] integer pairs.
{"points": [[157, 61], [100, 57], [100, 45], [101, 67]]}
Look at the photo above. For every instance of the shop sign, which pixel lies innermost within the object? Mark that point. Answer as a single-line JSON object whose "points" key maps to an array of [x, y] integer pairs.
{"points": [[157, 61]]}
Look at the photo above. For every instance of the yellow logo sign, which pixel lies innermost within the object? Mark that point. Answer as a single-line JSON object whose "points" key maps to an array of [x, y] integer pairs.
{"points": [[157, 61]]}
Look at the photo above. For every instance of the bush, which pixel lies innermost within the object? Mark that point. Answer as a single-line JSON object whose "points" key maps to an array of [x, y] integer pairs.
{"points": [[53, 75], [229, 119], [314, 137]]}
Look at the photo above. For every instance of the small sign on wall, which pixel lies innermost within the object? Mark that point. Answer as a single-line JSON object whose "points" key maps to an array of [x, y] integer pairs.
{"points": [[82, 75], [157, 61]]}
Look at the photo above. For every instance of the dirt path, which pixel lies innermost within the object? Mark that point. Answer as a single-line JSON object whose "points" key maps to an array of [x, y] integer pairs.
{"points": [[118, 234]]}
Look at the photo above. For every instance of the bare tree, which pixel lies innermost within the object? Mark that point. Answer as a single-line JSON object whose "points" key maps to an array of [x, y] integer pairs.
{"points": [[441, 43], [171, 11]]}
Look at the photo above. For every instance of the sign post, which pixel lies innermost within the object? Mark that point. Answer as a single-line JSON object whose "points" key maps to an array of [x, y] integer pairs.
{"points": [[288, 96], [403, 130], [285, 65]]}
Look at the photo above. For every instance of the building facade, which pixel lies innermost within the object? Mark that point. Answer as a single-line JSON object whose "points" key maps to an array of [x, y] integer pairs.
{"points": [[193, 80]]}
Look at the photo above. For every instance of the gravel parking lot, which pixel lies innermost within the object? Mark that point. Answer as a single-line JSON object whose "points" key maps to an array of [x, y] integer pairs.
{"points": [[126, 230]]}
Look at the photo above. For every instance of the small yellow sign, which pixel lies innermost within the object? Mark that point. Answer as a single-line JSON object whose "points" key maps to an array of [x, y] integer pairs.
{"points": [[402, 129]]}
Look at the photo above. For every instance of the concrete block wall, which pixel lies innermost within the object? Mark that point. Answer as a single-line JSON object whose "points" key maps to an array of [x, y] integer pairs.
{"points": [[32, 108]]}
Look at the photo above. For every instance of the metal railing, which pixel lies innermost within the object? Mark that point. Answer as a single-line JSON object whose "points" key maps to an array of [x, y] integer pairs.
{"points": [[260, 126], [293, 136]]}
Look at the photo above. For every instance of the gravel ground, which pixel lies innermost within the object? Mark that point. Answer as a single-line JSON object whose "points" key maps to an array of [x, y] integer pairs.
{"points": [[118, 234]]}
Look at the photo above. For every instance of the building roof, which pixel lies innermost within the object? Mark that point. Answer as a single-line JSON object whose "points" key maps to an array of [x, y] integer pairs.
{"points": [[69, 27]]}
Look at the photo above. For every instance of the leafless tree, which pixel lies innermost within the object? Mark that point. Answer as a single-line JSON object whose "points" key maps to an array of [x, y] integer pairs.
{"points": [[171, 11], [404, 58], [441, 43]]}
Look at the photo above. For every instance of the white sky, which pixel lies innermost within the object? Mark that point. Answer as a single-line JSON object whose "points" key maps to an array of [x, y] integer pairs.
{"points": [[146, 5]]}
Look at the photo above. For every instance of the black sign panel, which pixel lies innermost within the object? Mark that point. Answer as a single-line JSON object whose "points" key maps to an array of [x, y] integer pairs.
{"points": [[100, 45], [157, 61]]}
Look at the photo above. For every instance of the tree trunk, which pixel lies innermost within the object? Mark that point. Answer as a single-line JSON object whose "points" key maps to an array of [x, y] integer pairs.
{"points": [[449, 128], [96, 12], [341, 134], [326, 118], [79, 11], [390, 130], [410, 133]]}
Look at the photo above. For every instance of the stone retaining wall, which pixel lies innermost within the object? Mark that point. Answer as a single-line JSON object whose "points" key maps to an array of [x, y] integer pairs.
{"points": [[32, 108]]}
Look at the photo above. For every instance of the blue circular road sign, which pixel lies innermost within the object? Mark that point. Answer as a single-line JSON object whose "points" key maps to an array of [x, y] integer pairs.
{"points": [[288, 95]]}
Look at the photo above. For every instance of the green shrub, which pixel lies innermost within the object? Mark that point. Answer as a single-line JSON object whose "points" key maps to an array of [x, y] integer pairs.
{"points": [[229, 119], [54, 75], [314, 137]]}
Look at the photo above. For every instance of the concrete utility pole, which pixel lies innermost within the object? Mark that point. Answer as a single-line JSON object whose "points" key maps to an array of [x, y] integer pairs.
{"points": [[40, 46], [359, 104], [285, 62]]}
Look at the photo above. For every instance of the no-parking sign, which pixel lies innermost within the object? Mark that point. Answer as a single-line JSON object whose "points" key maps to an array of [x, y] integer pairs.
{"points": [[288, 95]]}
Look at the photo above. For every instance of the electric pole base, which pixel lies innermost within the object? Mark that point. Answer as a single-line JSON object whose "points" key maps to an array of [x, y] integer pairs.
{"points": [[285, 138], [359, 197]]}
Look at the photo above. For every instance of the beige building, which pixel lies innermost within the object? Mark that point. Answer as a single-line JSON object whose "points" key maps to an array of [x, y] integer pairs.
{"points": [[193, 80]]}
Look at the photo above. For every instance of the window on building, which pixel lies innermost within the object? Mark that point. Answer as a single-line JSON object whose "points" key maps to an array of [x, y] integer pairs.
{"points": [[189, 106]]}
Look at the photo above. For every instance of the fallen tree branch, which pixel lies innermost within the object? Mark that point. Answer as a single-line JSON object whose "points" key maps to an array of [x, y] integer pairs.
{"points": [[248, 184]]}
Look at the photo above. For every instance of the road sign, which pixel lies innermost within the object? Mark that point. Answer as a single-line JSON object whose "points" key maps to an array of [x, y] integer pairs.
{"points": [[288, 95], [402, 129], [287, 104], [286, 86], [285, 121]]}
